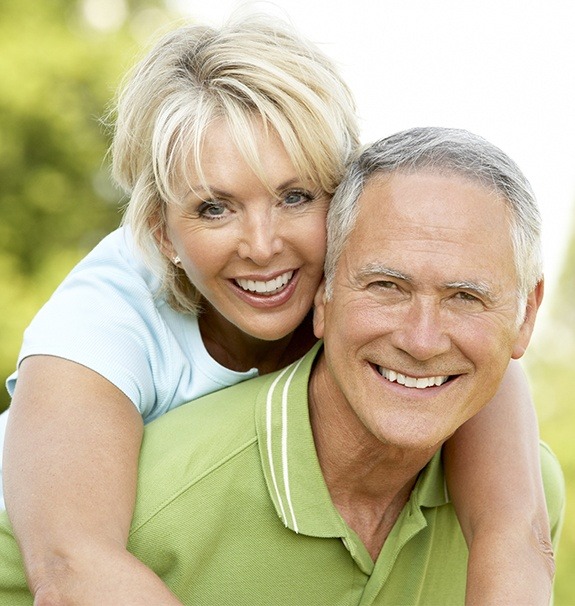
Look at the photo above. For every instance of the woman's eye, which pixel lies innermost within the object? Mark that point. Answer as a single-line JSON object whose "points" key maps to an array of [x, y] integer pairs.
{"points": [[212, 210], [294, 198]]}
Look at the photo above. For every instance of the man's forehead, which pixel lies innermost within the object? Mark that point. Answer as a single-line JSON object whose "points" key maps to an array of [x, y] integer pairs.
{"points": [[383, 179], [432, 199], [426, 221]]}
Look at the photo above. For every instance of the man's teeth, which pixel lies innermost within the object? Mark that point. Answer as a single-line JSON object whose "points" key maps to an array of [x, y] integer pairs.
{"points": [[269, 287], [419, 383]]}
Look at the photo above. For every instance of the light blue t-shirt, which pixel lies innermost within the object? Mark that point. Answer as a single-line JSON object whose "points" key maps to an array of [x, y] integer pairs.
{"points": [[107, 316]]}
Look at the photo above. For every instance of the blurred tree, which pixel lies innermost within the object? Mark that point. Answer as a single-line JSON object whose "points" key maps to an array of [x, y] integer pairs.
{"points": [[60, 61]]}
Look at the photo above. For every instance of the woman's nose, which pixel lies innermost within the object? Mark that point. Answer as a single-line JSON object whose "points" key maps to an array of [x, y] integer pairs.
{"points": [[260, 239]]}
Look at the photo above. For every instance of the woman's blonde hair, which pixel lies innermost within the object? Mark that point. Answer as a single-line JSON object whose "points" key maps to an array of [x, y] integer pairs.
{"points": [[251, 67]]}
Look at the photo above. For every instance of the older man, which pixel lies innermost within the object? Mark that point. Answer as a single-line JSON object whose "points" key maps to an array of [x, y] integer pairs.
{"points": [[324, 485]]}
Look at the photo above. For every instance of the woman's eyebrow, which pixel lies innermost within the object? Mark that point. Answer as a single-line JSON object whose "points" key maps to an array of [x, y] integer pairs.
{"points": [[203, 190]]}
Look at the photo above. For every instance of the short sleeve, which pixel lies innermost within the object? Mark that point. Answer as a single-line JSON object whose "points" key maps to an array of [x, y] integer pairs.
{"points": [[554, 485], [104, 316]]}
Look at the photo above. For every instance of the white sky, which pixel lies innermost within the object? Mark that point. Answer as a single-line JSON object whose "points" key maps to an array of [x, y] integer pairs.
{"points": [[504, 69]]}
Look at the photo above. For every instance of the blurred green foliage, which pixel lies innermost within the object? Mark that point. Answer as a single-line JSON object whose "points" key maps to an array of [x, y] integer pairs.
{"points": [[550, 366], [59, 72], [61, 62]]}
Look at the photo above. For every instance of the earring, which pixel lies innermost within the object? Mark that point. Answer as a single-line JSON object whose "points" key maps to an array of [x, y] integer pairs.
{"points": [[176, 260]]}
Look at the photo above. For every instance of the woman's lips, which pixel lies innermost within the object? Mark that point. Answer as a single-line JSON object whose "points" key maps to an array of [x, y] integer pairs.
{"points": [[265, 294]]}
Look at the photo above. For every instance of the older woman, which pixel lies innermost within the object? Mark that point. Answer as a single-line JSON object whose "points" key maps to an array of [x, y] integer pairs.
{"points": [[229, 143]]}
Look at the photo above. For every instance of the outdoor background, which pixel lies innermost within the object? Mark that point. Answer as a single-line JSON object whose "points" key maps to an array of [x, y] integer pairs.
{"points": [[502, 68]]}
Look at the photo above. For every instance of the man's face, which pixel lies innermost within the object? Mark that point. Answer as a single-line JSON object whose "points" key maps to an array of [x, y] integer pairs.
{"points": [[423, 319]]}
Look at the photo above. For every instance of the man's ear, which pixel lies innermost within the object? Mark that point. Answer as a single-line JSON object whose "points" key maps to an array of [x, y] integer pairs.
{"points": [[526, 329], [319, 311]]}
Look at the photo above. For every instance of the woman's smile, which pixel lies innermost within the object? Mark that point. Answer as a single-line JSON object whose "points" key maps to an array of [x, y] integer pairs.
{"points": [[264, 286], [269, 293]]}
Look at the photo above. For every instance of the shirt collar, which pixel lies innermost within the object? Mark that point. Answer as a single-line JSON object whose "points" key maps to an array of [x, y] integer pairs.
{"points": [[289, 459]]}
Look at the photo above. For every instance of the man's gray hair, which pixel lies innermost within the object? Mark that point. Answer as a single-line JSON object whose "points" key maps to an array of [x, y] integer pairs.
{"points": [[442, 151]]}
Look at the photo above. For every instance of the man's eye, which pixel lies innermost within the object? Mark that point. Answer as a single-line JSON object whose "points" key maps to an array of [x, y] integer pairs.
{"points": [[384, 284], [468, 297]]}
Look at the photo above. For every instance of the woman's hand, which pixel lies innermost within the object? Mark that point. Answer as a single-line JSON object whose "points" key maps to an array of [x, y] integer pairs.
{"points": [[494, 478]]}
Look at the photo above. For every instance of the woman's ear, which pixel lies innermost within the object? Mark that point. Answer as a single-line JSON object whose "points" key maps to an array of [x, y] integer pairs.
{"points": [[319, 310], [158, 230]]}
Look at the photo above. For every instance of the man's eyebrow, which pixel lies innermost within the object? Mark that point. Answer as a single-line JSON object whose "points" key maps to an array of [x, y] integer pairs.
{"points": [[376, 269]]}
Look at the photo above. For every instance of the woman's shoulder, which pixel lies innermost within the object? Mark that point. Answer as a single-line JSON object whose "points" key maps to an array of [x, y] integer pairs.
{"points": [[117, 258]]}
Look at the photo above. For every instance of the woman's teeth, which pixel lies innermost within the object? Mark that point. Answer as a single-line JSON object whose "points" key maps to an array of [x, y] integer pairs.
{"points": [[268, 287], [419, 383]]}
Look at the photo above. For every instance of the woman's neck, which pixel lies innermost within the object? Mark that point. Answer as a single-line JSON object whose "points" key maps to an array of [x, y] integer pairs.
{"points": [[234, 349]]}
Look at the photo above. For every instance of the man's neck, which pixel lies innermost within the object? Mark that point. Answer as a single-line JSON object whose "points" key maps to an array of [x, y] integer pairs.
{"points": [[369, 481]]}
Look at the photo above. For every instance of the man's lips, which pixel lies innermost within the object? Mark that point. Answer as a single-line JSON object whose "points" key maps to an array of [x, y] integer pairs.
{"points": [[409, 381]]}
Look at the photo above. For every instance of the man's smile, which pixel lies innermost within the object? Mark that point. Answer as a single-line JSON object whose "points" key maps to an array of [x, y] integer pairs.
{"points": [[408, 381]]}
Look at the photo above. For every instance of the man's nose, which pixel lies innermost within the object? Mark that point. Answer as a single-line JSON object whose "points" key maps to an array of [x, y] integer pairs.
{"points": [[260, 239], [422, 332]]}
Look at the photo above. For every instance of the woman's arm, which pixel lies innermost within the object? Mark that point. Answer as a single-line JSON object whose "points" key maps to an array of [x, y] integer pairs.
{"points": [[70, 468], [494, 479]]}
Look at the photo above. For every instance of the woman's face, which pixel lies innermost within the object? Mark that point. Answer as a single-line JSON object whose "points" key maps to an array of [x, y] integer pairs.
{"points": [[255, 253]]}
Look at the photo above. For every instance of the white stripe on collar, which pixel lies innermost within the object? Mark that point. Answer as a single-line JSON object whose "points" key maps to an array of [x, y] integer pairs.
{"points": [[284, 436]]}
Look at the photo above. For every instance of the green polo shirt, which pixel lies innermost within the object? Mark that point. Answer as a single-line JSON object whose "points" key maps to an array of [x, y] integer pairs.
{"points": [[233, 510]]}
